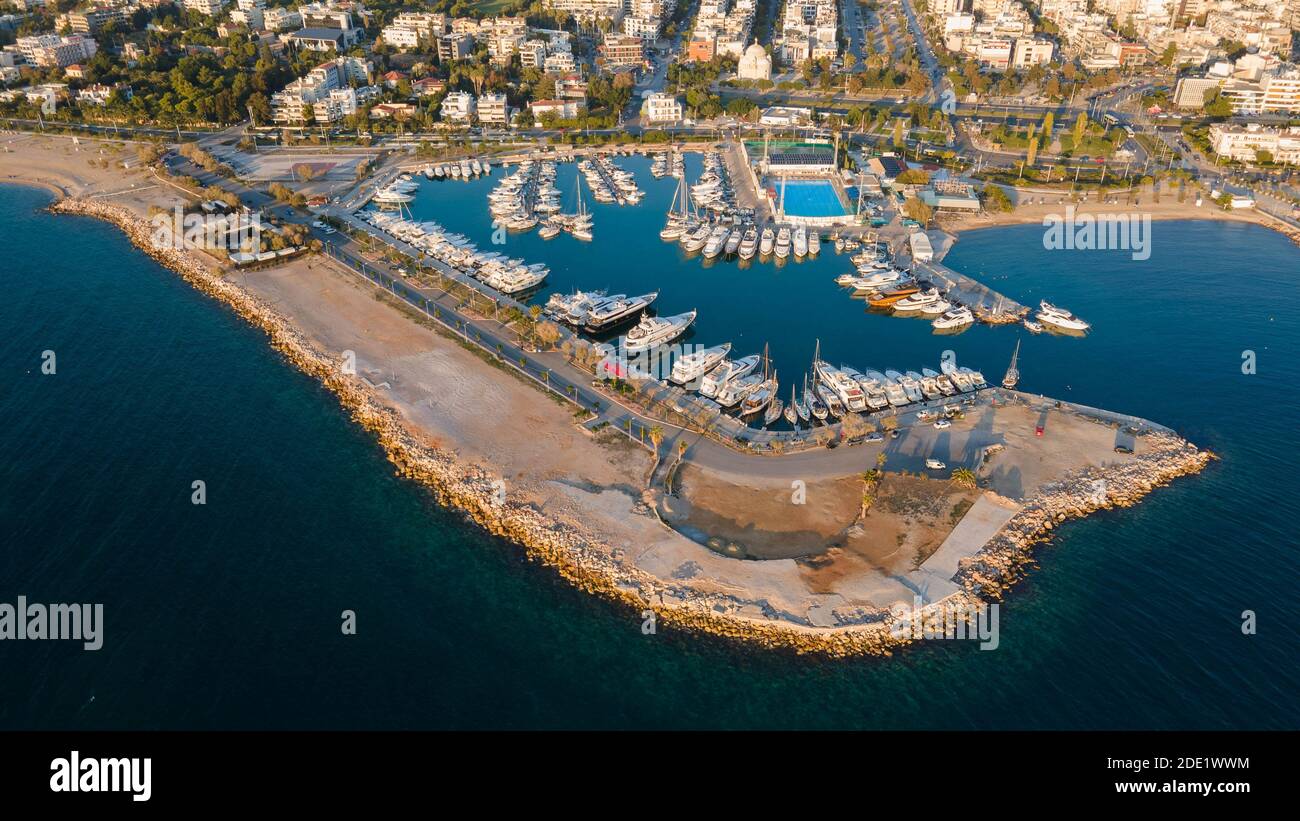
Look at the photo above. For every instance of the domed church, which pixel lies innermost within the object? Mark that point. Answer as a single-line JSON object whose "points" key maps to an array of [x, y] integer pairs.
{"points": [[755, 64]]}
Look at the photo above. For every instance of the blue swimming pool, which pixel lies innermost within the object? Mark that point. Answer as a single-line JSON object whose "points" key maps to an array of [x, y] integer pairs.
{"points": [[809, 198]]}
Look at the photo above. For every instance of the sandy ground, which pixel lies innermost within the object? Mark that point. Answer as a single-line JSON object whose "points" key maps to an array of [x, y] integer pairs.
{"points": [[84, 168]]}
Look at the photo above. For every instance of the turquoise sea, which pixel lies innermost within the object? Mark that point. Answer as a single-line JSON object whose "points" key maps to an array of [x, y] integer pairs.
{"points": [[227, 615]]}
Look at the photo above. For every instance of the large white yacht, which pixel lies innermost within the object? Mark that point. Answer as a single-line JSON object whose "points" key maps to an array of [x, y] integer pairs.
{"points": [[656, 330], [696, 364], [1059, 318]]}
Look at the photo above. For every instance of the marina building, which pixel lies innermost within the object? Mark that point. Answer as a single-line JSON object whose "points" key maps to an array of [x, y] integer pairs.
{"points": [[922, 251], [779, 116], [949, 195]]}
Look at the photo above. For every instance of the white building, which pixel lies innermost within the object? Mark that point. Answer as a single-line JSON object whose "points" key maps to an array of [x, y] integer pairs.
{"points": [[662, 108], [458, 107], [1245, 143], [755, 64], [492, 109], [53, 51], [209, 7]]}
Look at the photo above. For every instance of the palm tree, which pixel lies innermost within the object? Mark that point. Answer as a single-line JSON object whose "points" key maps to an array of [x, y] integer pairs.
{"points": [[656, 438]]}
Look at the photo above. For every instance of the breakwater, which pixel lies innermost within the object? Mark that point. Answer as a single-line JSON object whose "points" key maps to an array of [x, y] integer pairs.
{"points": [[1005, 557], [578, 554]]}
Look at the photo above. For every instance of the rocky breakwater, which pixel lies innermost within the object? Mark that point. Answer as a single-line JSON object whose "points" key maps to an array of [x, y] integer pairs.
{"points": [[575, 551], [1004, 559]]}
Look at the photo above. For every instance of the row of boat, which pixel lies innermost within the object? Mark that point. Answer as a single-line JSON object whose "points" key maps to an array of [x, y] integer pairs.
{"points": [[463, 170], [397, 193], [886, 287], [713, 191], [524, 195], [596, 312], [668, 164], [831, 392], [494, 269], [609, 182]]}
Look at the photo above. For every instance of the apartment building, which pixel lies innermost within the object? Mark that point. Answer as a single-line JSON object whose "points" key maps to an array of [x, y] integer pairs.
{"points": [[211, 8], [92, 20], [662, 108], [809, 30], [458, 107], [1245, 143], [411, 30], [590, 11], [54, 51], [329, 92], [492, 109], [622, 50]]}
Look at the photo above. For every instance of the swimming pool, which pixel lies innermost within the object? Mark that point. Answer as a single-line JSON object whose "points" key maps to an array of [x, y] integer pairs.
{"points": [[808, 198]]}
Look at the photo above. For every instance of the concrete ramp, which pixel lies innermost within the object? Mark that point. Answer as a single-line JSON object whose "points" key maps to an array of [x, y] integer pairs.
{"points": [[981, 523]]}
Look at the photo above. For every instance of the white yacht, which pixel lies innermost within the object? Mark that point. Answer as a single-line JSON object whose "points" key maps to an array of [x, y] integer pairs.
{"points": [[768, 242], [917, 301], [696, 364], [614, 311], [800, 242], [814, 243], [877, 281], [943, 306], [1060, 318], [956, 318], [733, 241], [748, 243], [783, 243], [656, 330], [894, 389], [694, 242], [714, 245], [731, 393], [727, 371]]}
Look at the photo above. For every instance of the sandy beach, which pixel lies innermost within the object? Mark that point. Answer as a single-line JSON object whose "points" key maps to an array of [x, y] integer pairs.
{"points": [[577, 501], [1168, 208]]}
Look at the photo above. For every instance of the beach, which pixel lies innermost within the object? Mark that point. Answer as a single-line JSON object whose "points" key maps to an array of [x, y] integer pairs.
{"points": [[468, 430]]}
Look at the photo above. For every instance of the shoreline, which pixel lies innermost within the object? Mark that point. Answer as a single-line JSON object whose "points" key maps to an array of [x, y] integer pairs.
{"points": [[1035, 214], [585, 562]]}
